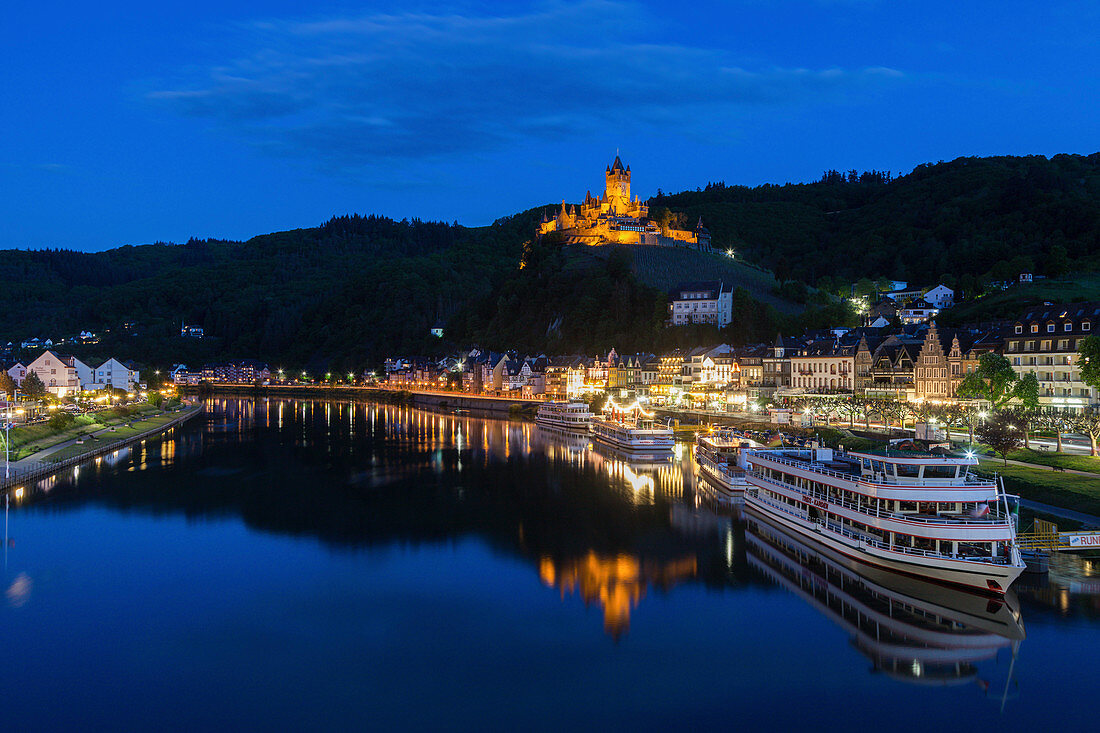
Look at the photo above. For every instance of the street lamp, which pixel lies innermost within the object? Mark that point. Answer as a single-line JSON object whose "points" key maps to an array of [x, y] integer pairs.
{"points": [[7, 438]]}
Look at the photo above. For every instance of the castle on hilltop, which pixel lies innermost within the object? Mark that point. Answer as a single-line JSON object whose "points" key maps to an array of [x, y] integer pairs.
{"points": [[614, 218]]}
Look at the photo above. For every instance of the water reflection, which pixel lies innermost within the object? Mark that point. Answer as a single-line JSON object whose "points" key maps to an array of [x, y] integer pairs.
{"points": [[617, 583], [593, 524], [912, 631], [597, 525]]}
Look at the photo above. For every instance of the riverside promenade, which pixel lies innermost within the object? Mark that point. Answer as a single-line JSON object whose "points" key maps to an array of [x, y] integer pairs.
{"points": [[497, 405], [39, 465]]}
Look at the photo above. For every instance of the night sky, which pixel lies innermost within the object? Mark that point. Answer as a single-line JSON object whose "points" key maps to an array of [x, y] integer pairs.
{"points": [[127, 123]]}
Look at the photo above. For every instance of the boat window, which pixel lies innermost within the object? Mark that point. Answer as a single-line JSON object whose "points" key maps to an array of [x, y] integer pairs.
{"points": [[907, 506], [946, 470], [907, 470], [878, 466]]}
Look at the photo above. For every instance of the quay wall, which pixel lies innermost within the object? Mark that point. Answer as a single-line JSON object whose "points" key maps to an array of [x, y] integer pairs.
{"points": [[497, 406]]}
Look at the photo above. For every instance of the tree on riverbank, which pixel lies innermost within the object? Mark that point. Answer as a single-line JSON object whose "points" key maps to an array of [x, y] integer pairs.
{"points": [[33, 386], [995, 382], [1088, 422], [1001, 433]]}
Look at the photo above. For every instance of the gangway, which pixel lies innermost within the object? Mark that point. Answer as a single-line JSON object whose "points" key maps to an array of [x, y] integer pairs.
{"points": [[1044, 536]]}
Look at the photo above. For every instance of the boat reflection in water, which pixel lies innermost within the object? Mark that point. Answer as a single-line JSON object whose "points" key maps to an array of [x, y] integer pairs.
{"points": [[617, 582], [911, 630]]}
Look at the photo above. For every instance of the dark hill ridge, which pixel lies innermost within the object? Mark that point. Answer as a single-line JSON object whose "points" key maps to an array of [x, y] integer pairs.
{"points": [[346, 293], [957, 218]]}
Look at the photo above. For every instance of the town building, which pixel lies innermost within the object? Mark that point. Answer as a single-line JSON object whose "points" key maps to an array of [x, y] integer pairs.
{"points": [[940, 297], [776, 367], [17, 372], [247, 371], [62, 375], [113, 373], [825, 365], [891, 368], [917, 311], [707, 302], [1045, 339]]}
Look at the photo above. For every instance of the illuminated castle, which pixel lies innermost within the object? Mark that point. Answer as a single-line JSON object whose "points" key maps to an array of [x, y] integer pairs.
{"points": [[614, 218]]}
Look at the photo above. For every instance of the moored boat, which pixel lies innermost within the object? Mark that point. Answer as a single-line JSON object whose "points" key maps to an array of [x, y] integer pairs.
{"points": [[631, 429], [721, 464], [564, 415], [918, 515], [912, 630]]}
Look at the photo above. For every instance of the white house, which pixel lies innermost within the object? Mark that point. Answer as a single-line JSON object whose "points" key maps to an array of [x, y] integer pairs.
{"points": [[17, 372], [701, 302], [113, 373], [61, 375], [918, 311], [940, 297]]}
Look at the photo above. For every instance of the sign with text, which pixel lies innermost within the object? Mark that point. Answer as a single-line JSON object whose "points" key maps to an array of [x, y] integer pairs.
{"points": [[1083, 540]]}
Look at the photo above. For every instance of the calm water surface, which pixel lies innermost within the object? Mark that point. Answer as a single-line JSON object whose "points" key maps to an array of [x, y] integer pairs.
{"points": [[334, 566]]}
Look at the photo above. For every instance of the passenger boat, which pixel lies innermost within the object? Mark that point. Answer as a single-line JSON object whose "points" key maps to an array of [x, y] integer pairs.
{"points": [[918, 515], [631, 429], [721, 464], [911, 630], [567, 415]]}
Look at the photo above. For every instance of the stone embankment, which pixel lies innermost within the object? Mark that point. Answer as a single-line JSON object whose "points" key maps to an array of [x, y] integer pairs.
{"points": [[496, 406]]}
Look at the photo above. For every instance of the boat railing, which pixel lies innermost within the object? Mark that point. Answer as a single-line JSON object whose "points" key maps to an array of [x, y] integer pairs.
{"points": [[970, 480], [994, 518], [720, 466], [865, 539]]}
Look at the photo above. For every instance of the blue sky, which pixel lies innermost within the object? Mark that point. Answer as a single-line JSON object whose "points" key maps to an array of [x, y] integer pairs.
{"points": [[127, 123]]}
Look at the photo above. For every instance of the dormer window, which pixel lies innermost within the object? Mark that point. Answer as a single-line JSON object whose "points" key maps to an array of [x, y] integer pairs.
{"points": [[1035, 328], [1019, 328], [1050, 328], [1068, 326], [1086, 326]]}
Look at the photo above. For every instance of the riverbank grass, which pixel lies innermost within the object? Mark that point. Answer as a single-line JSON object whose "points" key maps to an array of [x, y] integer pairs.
{"points": [[121, 432], [27, 440], [1066, 490], [1075, 462]]}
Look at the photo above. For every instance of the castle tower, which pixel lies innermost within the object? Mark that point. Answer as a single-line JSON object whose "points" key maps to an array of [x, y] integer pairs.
{"points": [[618, 186]]}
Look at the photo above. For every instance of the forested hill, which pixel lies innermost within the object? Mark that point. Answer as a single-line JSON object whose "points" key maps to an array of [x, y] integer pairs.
{"points": [[347, 293], [337, 295], [962, 221]]}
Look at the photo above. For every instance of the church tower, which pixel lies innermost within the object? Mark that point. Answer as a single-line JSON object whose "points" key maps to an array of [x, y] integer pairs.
{"points": [[617, 190]]}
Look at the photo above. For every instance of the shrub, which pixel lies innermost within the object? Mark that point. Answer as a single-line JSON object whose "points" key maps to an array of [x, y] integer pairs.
{"points": [[60, 420]]}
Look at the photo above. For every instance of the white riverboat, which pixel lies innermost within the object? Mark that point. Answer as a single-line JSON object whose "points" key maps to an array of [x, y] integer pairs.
{"points": [[912, 630], [631, 429], [718, 455], [921, 516], [564, 415]]}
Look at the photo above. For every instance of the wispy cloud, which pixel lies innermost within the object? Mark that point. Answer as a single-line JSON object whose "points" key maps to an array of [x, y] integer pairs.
{"points": [[349, 92]]}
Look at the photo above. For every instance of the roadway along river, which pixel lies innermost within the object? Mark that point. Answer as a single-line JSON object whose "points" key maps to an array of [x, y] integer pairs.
{"points": [[312, 565]]}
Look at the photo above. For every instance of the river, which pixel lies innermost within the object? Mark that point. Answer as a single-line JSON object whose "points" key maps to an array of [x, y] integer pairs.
{"points": [[313, 565]]}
